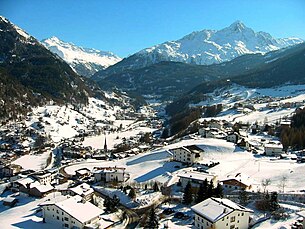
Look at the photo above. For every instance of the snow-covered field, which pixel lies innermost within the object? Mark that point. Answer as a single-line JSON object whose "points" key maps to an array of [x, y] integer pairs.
{"points": [[34, 162], [156, 165]]}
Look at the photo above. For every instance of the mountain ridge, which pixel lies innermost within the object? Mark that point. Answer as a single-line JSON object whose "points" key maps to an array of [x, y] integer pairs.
{"points": [[84, 61], [204, 47]]}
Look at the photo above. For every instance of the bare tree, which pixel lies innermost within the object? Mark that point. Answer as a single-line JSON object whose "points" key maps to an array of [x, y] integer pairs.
{"points": [[265, 183], [283, 183]]}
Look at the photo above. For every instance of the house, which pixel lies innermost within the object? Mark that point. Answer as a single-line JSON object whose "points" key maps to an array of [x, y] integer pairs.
{"points": [[82, 173], [71, 213], [187, 154], [32, 187], [218, 213], [11, 170], [195, 178], [236, 182], [10, 201], [232, 137], [273, 149], [109, 174], [84, 190], [43, 177]]}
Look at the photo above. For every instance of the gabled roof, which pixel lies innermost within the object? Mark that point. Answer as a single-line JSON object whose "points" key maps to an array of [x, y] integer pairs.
{"points": [[214, 209]]}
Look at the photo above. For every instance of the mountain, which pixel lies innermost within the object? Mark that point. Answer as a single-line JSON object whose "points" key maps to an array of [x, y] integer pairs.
{"points": [[31, 74], [204, 48], [84, 61], [169, 80], [285, 66]]}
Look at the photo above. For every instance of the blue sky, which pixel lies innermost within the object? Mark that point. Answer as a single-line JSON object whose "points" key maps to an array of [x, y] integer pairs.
{"points": [[127, 26]]}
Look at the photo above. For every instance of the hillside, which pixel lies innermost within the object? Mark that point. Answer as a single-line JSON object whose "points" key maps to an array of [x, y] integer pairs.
{"points": [[274, 69], [30, 74]]}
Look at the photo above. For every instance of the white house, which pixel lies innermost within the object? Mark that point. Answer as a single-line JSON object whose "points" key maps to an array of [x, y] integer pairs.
{"points": [[220, 213], [273, 149], [187, 154], [71, 213], [195, 178], [109, 174]]}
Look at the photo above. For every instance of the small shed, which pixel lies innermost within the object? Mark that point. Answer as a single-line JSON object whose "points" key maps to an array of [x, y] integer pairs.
{"points": [[10, 201]]}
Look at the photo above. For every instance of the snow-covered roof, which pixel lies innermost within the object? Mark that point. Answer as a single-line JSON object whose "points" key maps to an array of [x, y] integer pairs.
{"points": [[25, 181], [196, 175], [9, 199], [81, 211], [214, 209], [82, 189], [242, 178], [274, 146], [41, 188]]}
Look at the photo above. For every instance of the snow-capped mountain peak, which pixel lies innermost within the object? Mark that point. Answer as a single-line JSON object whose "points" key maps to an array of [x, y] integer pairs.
{"points": [[85, 61], [207, 47]]}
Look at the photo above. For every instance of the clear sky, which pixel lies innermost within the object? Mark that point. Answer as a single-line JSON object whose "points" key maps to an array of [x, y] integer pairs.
{"points": [[127, 26]]}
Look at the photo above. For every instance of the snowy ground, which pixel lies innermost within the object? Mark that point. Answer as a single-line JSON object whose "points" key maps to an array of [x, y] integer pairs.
{"points": [[26, 213], [97, 142], [34, 162], [236, 93], [156, 165]]}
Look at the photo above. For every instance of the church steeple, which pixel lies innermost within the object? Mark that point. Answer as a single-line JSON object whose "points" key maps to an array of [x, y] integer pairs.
{"points": [[105, 145]]}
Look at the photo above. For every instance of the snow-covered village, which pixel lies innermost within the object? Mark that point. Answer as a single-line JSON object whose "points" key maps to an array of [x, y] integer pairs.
{"points": [[204, 132]]}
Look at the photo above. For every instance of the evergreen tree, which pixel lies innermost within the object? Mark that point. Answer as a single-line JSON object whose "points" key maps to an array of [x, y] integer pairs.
{"points": [[188, 196], [111, 204], [132, 193], [274, 205], [243, 197], [156, 187], [202, 192], [218, 191], [152, 221], [210, 191]]}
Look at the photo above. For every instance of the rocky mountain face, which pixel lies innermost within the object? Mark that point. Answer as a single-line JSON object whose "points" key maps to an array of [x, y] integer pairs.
{"points": [[84, 61], [204, 48]]}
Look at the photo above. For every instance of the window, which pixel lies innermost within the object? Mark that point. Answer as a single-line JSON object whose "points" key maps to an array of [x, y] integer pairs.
{"points": [[66, 218], [57, 217], [66, 225], [232, 226], [207, 223], [223, 219], [57, 211], [242, 214], [232, 219], [238, 214]]}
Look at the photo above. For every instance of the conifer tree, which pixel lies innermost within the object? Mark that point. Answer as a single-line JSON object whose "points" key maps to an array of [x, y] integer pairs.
{"points": [[132, 193], [218, 191], [202, 192], [156, 187], [188, 196], [152, 221]]}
